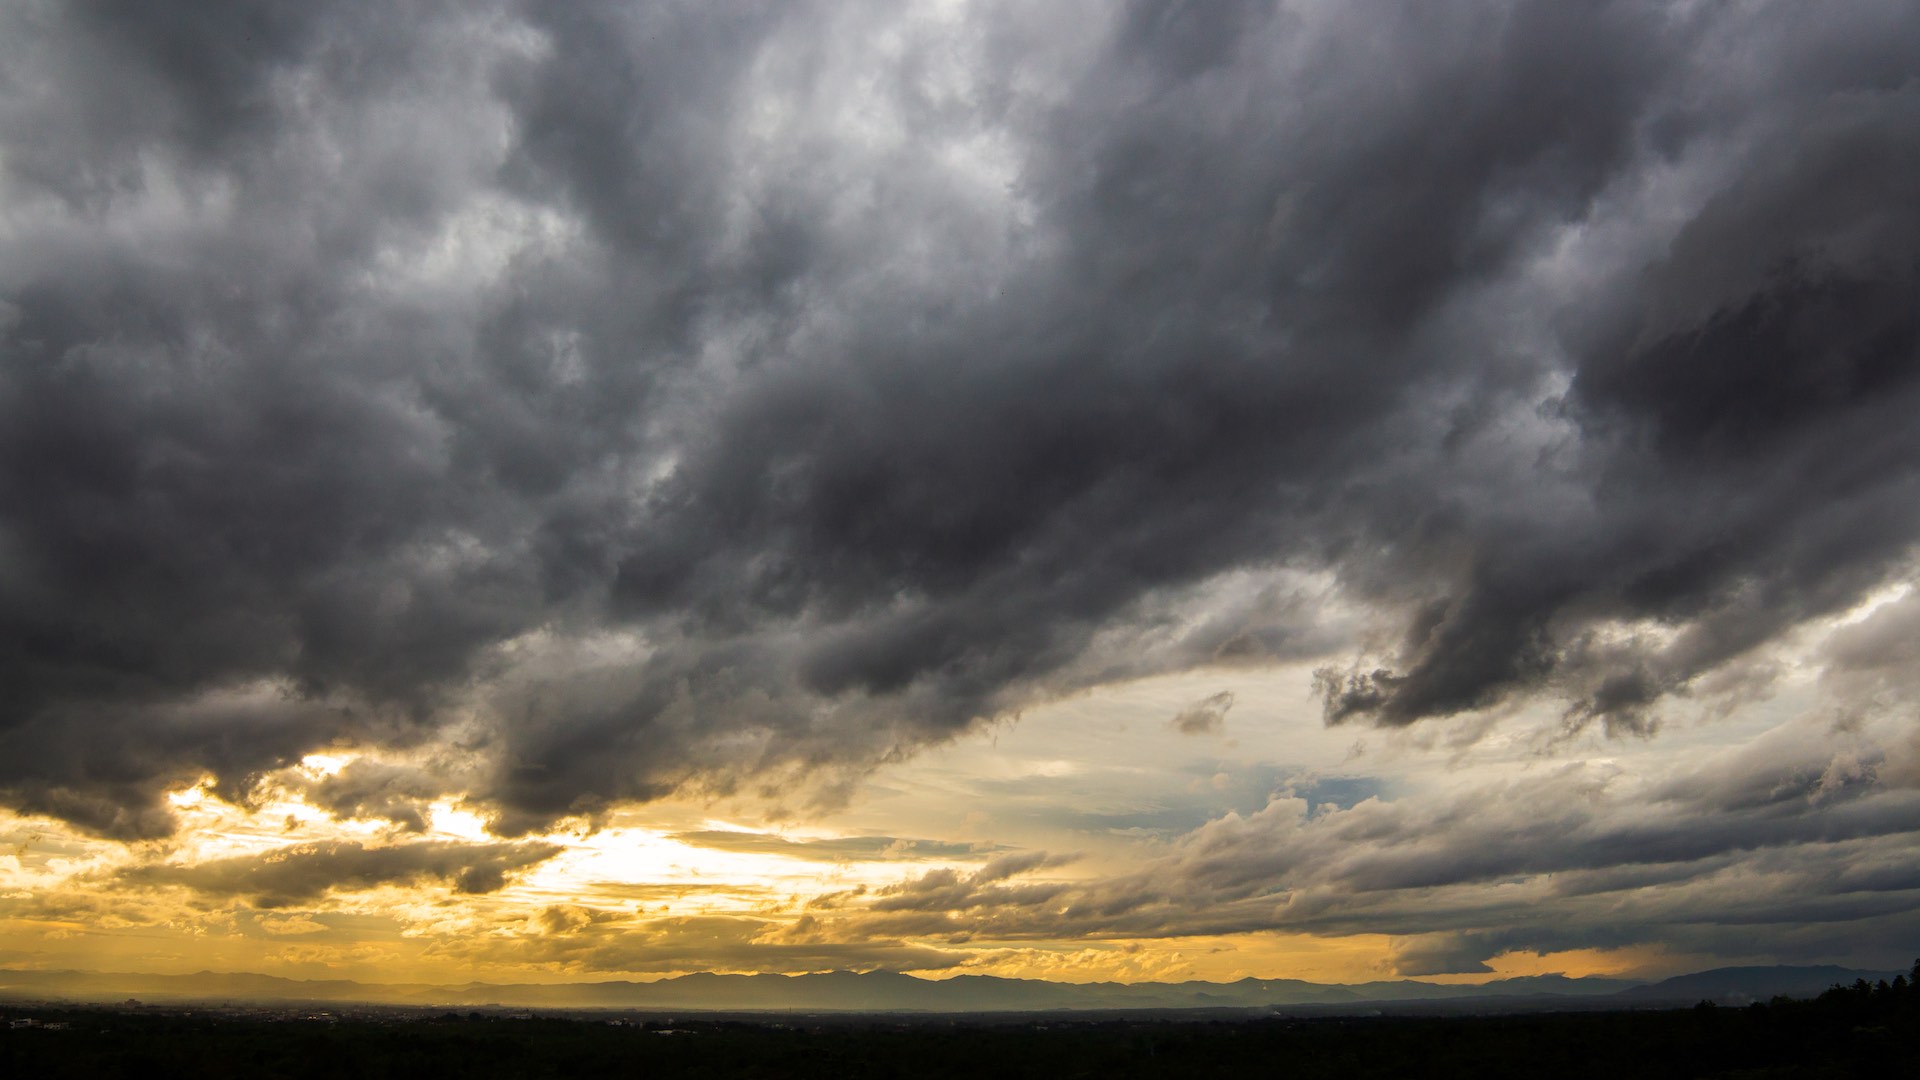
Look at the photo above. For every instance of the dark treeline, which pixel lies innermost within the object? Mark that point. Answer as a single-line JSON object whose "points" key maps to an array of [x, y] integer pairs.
{"points": [[1854, 1031]]}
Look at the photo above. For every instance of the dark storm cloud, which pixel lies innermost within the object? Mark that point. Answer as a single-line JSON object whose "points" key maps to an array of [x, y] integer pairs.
{"points": [[1440, 954], [1740, 407], [305, 872], [728, 397]]}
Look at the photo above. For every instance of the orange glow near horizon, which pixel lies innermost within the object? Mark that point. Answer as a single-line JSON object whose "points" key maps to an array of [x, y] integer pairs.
{"points": [[627, 876], [61, 890]]}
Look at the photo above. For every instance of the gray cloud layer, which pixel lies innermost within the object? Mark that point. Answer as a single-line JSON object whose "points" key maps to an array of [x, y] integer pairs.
{"points": [[713, 395], [1792, 846], [305, 872]]}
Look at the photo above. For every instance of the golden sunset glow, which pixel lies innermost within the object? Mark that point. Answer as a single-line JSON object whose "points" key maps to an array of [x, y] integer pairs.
{"points": [[290, 887]]}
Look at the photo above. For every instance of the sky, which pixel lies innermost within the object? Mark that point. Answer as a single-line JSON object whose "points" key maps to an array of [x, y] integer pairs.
{"points": [[1079, 490]]}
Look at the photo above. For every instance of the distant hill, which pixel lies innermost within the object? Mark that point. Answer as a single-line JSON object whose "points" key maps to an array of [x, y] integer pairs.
{"points": [[1745, 985], [845, 991]]}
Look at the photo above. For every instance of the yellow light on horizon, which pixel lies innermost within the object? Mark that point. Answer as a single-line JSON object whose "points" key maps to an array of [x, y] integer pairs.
{"points": [[326, 764], [447, 818]]}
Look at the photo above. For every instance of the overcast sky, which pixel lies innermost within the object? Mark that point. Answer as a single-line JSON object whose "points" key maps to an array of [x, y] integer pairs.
{"points": [[1071, 488]]}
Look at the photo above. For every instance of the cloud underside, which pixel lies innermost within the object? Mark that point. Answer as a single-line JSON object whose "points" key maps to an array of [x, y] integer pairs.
{"points": [[306, 873], [730, 398]]}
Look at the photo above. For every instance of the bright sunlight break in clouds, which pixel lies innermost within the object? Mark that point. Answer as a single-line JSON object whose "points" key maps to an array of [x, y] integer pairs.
{"points": [[556, 491]]}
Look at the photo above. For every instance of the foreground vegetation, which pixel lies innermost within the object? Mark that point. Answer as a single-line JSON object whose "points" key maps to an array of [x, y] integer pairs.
{"points": [[1862, 1030]]}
